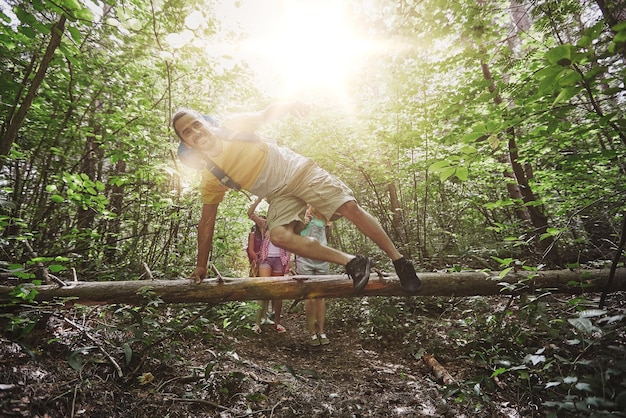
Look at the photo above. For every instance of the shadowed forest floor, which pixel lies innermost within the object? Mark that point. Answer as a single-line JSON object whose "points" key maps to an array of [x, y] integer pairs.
{"points": [[217, 367]]}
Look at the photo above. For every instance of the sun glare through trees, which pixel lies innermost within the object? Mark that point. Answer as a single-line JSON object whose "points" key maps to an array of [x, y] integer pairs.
{"points": [[297, 47]]}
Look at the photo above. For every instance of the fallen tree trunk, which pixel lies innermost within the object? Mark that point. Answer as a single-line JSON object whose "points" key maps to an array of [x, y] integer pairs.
{"points": [[471, 283]]}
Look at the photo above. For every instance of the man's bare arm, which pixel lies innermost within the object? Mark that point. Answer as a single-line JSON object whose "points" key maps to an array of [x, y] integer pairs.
{"points": [[260, 222], [281, 109], [252, 121], [206, 227]]}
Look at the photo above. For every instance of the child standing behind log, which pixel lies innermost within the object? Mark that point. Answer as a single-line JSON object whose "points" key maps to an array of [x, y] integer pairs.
{"points": [[315, 309], [272, 261], [255, 239]]}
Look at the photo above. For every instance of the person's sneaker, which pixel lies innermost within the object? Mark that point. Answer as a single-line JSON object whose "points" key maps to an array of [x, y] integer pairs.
{"points": [[324, 339], [406, 273], [359, 271], [314, 341]]}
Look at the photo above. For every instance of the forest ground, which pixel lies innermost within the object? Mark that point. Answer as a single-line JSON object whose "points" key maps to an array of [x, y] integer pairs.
{"points": [[373, 366]]}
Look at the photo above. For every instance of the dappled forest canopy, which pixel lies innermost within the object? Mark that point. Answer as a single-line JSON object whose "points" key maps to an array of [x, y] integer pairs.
{"points": [[471, 130]]}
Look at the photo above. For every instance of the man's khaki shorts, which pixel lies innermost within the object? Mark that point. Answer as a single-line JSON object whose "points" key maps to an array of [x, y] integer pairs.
{"points": [[311, 185]]}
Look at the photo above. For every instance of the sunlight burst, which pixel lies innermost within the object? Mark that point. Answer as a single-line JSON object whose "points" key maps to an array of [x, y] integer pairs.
{"points": [[304, 46]]}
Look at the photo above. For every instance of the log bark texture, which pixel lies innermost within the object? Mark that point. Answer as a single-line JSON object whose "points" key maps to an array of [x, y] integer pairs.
{"points": [[214, 291]]}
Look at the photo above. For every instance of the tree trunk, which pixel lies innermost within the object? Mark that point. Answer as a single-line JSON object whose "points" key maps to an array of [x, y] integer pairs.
{"points": [[397, 219], [522, 187], [472, 283], [537, 217], [6, 142], [85, 215], [614, 12], [116, 204]]}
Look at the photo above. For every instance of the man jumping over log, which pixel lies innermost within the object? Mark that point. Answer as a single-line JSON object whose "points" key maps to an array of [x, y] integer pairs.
{"points": [[236, 157]]}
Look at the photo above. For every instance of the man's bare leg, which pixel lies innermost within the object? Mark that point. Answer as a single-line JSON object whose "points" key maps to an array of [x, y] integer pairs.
{"points": [[284, 237], [359, 270], [357, 267], [369, 226]]}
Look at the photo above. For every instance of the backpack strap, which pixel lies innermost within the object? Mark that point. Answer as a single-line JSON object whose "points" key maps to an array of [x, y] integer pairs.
{"points": [[199, 160], [220, 174]]}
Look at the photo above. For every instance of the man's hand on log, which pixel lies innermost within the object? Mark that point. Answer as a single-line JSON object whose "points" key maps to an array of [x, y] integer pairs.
{"points": [[198, 275]]}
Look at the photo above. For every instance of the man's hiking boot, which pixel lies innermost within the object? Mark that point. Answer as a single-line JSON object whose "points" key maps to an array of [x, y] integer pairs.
{"points": [[408, 278], [359, 271]]}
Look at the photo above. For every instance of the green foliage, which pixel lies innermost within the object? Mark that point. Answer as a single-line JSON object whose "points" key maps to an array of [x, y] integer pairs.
{"points": [[104, 191], [92, 176], [455, 165]]}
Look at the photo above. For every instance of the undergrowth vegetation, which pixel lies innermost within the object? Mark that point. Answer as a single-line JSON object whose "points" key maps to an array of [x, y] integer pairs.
{"points": [[549, 355]]}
